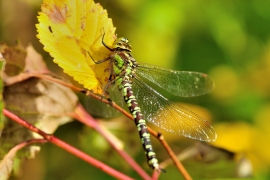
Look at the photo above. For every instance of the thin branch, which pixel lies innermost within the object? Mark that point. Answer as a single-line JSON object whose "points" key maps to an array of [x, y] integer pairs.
{"points": [[85, 118], [26, 143], [67, 147], [174, 158], [7, 162]]}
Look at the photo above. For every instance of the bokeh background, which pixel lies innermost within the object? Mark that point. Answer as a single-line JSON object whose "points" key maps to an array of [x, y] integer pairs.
{"points": [[229, 40]]}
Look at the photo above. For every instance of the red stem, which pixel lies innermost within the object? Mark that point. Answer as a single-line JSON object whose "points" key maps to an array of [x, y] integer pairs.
{"points": [[85, 118], [67, 147], [178, 164]]}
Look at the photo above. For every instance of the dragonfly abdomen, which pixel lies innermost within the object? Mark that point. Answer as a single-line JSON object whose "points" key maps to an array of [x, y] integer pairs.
{"points": [[169, 116], [140, 122]]}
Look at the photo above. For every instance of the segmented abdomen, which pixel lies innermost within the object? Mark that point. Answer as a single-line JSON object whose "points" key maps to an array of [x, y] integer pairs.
{"points": [[140, 122]]}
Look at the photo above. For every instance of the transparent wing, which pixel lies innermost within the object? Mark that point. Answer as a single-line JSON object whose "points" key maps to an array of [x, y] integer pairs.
{"points": [[99, 109], [171, 116], [178, 83]]}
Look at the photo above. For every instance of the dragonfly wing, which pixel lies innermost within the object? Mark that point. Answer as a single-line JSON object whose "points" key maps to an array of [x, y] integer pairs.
{"points": [[171, 116], [178, 83], [102, 110]]}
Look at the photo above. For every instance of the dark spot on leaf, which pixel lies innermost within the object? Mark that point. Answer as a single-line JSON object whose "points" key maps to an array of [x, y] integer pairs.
{"points": [[50, 29]]}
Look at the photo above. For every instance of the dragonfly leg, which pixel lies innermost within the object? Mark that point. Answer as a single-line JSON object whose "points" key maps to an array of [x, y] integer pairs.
{"points": [[104, 44], [99, 61]]}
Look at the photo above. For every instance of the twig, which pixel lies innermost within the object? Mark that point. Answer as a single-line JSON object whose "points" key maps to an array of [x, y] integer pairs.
{"points": [[177, 163], [67, 147], [26, 143], [85, 118]]}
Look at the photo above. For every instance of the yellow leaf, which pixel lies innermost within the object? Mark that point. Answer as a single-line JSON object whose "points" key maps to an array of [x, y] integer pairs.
{"points": [[235, 137], [70, 30], [247, 140]]}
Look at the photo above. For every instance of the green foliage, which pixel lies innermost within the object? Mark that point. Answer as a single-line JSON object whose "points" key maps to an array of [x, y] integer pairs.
{"points": [[229, 40]]}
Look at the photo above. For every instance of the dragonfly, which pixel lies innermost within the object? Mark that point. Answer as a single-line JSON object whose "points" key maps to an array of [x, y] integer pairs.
{"points": [[135, 82]]}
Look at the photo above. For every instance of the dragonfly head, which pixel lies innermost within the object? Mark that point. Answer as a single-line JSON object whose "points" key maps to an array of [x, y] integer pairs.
{"points": [[122, 44]]}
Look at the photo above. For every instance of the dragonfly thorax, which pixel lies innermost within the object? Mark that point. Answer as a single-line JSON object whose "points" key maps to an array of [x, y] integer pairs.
{"points": [[122, 44]]}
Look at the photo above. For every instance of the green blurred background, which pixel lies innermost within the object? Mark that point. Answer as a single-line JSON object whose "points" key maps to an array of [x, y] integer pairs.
{"points": [[229, 40]]}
